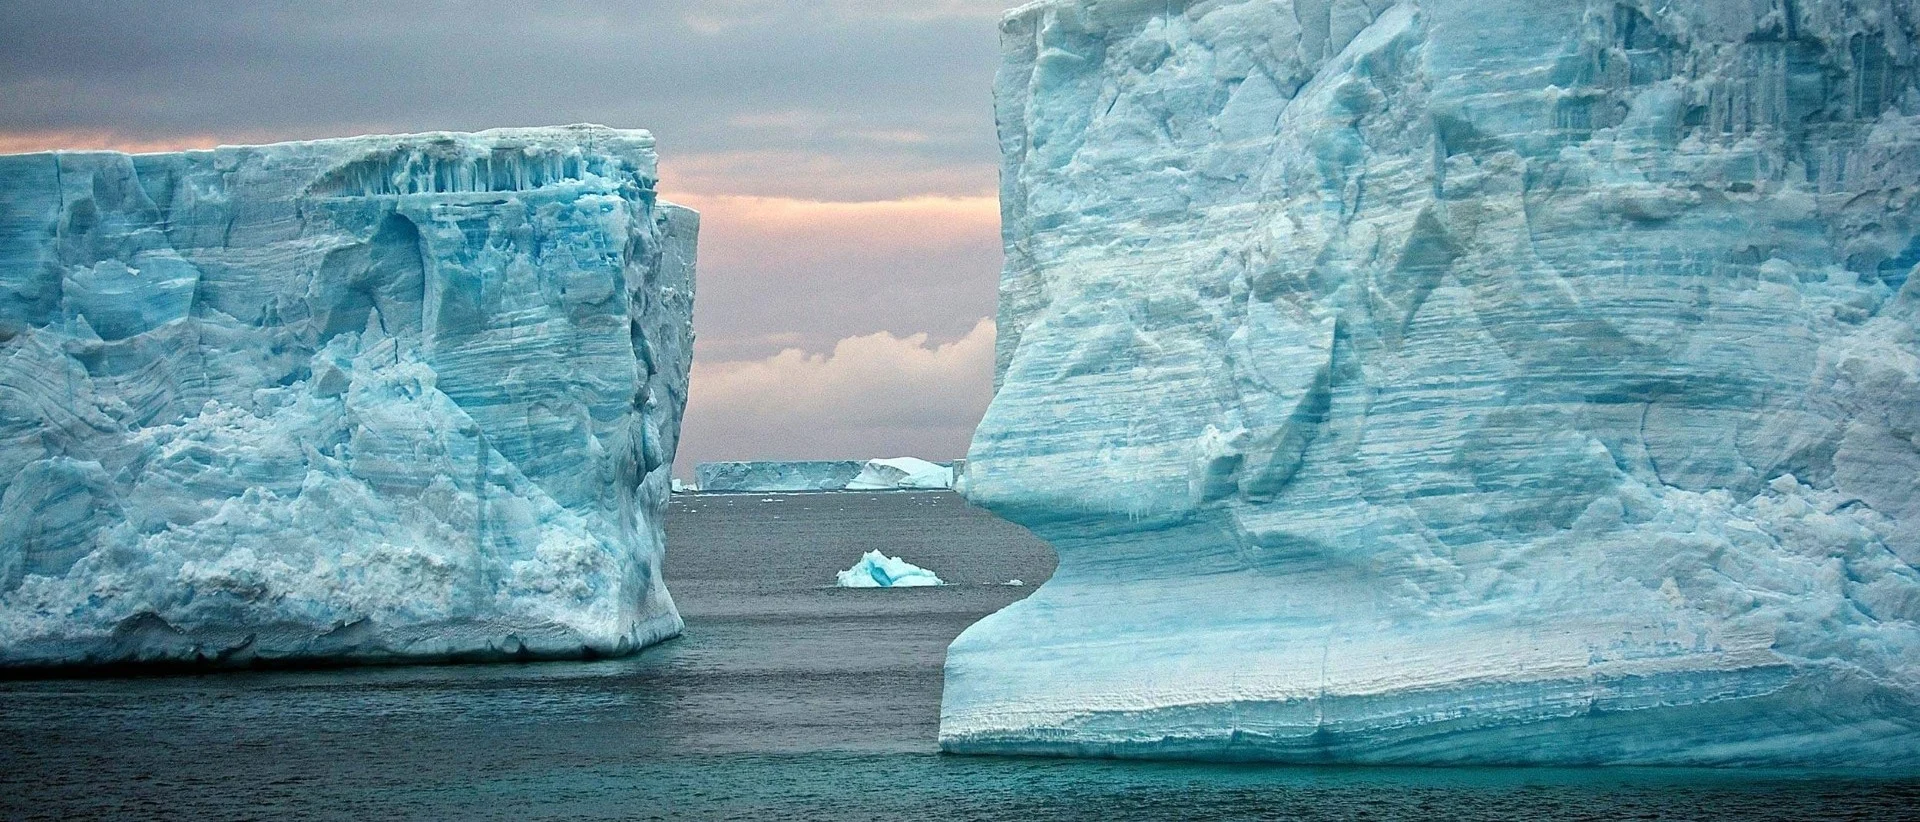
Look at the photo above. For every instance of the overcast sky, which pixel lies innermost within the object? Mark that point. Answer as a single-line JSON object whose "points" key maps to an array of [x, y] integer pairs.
{"points": [[842, 153]]}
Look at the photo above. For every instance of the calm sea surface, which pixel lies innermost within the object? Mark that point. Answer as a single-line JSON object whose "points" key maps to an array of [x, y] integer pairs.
{"points": [[786, 699]]}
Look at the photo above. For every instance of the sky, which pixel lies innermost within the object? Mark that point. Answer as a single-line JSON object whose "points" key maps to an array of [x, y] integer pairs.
{"points": [[842, 154]]}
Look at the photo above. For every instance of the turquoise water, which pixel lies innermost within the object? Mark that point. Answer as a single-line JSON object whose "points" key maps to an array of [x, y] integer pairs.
{"points": [[787, 699]]}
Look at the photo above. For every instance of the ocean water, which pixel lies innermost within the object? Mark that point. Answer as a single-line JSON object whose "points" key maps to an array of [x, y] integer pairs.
{"points": [[786, 699]]}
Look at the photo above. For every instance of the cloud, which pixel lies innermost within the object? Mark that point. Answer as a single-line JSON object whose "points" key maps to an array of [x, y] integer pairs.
{"points": [[890, 171], [774, 267], [874, 395], [717, 16], [108, 141], [864, 91], [842, 152], [883, 226]]}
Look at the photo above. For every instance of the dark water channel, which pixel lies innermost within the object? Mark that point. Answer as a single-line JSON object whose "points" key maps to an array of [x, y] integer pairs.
{"points": [[786, 699]]}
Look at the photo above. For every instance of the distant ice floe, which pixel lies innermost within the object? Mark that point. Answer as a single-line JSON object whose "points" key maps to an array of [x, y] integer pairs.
{"points": [[877, 570], [894, 474]]}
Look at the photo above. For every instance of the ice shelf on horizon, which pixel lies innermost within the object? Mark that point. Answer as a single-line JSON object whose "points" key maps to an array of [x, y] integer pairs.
{"points": [[894, 474], [383, 398], [1457, 381]]}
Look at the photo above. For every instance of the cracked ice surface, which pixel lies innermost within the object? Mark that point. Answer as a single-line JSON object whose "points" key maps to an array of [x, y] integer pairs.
{"points": [[1504, 381], [380, 398]]}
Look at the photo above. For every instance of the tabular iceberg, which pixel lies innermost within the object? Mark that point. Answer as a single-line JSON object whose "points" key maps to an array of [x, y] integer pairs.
{"points": [[895, 474], [800, 475], [1457, 381], [375, 399]]}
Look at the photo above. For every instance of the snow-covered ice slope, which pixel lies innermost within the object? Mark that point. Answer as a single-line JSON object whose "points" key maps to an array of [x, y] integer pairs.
{"points": [[1449, 381], [381, 399], [902, 474]]}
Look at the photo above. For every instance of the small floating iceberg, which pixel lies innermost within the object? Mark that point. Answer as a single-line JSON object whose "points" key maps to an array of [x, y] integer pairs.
{"points": [[877, 570]]}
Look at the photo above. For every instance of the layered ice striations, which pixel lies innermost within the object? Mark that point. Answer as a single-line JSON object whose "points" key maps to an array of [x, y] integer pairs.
{"points": [[767, 475], [1504, 381], [372, 399]]}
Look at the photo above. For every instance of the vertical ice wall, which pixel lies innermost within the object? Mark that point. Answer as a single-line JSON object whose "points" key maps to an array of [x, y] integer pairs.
{"points": [[380, 398], [1446, 381]]}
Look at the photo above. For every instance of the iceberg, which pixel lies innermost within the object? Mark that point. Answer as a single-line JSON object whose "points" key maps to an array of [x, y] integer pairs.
{"points": [[380, 399], [895, 474], [877, 570], [902, 473], [773, 476], [1446, 382]]}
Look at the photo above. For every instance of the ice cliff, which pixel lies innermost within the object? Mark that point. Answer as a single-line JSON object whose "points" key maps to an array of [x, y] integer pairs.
{"points": [[894, 474], [1457, 381], [377, 399]]}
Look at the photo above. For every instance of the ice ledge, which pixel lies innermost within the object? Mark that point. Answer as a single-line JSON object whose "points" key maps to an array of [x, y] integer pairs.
{"points": [[1733, 717]]}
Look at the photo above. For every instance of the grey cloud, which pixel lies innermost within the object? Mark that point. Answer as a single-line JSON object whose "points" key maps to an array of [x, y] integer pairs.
{"points": [[308, 69], [720, 14], [838, 100], [878, 395]]}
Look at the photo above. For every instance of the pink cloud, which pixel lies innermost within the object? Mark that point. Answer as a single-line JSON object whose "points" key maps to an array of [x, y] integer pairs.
{"points": [[839, 268], [25, 142], [872, 395], [746, 225], [882, 174]]}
